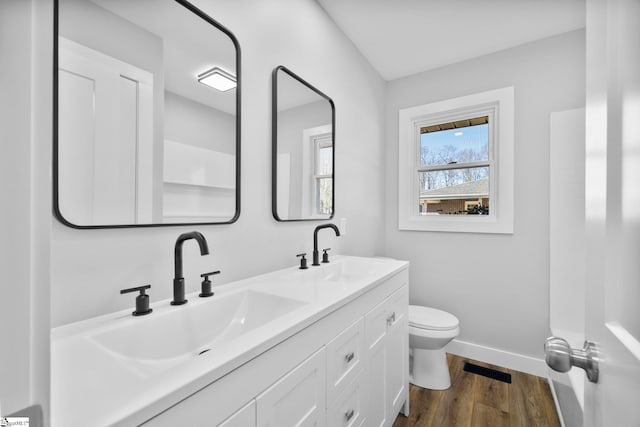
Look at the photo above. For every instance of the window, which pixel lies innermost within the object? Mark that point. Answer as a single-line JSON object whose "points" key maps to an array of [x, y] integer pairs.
{"points": [[456, 164], [317, 170], [454, 167], [323, 174]]}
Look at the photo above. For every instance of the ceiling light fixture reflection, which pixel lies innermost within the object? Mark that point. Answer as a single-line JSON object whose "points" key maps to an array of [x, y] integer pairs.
{"points": [[458, 134], [218, 79]]}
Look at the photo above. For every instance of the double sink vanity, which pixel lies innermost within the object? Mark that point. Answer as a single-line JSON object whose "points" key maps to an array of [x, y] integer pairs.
{"points": [[322, 346], [144, 138]]}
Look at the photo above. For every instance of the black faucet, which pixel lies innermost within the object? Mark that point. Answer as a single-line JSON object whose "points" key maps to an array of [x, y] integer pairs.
{"points": [[178, 279], [315, 240]]}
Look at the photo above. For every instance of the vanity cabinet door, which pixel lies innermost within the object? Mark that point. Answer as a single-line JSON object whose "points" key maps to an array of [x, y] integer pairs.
{"points": [[397, 349], [387, 358], [298, 398], [244, 417], [375, 333]]}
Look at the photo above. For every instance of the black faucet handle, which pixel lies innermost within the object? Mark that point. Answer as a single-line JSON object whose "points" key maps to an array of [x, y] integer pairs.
{"points": [[137, 288], [303, 261], [325, 255], [206, 284], [142, 300], [211, 273]]}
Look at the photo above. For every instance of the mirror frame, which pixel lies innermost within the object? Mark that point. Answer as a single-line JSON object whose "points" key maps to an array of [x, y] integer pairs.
{"points": [[274, 144], [56, 207]]}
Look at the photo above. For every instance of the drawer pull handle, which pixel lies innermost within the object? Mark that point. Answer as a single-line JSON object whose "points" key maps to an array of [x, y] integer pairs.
{"points": [[391, 319], [349, 357], [349, 414]]}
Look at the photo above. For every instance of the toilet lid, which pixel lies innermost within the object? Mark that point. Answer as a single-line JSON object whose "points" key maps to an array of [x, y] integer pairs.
{"points": [[431, 318]]}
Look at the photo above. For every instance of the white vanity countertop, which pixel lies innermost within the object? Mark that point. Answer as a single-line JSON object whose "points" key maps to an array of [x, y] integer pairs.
{"points": [[91, 385]]}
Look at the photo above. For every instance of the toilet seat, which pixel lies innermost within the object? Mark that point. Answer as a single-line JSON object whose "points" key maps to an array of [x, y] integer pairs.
{"points": [[431, 319]]}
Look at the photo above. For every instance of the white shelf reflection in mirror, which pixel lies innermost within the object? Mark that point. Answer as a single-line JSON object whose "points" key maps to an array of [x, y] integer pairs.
{"points": [[198, 183]]}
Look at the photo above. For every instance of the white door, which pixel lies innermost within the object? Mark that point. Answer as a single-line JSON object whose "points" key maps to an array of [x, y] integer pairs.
{"points": [[105, 138], [613, 210]]}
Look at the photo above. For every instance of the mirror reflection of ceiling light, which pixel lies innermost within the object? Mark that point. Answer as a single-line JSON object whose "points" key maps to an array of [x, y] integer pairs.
{"points": [[218, 79], [458, 133]]}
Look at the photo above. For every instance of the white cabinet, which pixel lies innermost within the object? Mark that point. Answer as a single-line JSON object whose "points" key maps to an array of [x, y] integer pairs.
{"points": [[347, 369], [244, 417], [397, 352], [386, 360], [376, 332], [297, 399]]}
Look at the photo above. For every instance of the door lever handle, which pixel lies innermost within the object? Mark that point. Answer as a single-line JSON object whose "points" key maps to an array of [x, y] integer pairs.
{"points": [[561, 357]]}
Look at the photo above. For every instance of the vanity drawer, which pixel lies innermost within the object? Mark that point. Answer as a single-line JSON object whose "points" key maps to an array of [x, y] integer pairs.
{"points": [[344, 359], [244, 417], [348, 409]]}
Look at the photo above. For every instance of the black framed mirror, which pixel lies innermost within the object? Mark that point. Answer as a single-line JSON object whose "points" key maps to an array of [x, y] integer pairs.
{"points": [[146, 115], [303, 139]]}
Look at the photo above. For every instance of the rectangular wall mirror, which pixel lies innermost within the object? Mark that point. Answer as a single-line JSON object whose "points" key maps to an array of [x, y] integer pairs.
{"points": [[303, 137], [147, 115]]}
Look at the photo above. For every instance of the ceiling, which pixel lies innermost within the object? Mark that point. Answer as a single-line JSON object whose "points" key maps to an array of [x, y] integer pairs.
{"points": [[404, 37], [185, 53]]}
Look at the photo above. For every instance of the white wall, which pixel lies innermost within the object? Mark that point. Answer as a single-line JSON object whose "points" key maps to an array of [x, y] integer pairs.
{"points": [[89, 267], [497, 285], [87, 24], [25, 204], [567, 239], [190, 122], [14, 249]]}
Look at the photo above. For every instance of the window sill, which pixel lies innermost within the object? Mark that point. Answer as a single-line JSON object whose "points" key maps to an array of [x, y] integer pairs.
{"points": [[457, 224]]}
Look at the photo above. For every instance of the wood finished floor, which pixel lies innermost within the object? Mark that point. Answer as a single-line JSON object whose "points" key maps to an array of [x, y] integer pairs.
{"points": [[477, 401]]}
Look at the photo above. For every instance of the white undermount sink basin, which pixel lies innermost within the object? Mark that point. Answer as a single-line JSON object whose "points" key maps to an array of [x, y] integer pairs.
{"points": [[350, 270], [175, 334]]}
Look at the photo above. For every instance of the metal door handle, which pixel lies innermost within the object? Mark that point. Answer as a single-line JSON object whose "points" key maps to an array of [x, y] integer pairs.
{"points": [[561, 357]]}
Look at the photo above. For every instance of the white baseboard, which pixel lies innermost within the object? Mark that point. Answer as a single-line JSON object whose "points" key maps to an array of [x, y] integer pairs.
{"points": [[494, 356]]}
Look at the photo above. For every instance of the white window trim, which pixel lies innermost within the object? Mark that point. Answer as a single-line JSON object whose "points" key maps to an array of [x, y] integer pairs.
{"points": [[499, 104], [319, 141]]}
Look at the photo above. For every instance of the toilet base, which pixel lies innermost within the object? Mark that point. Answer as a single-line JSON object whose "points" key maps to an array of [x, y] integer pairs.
{"points": [[430, 369]]}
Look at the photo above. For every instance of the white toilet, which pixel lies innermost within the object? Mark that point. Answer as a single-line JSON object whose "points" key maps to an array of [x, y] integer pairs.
{"points": [[429, 331]]}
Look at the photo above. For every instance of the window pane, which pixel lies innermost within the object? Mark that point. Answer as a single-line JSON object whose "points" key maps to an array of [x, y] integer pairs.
{"points": [[455, 191], [457, 145], [325, 160], [324, 195], [464, 206]]}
